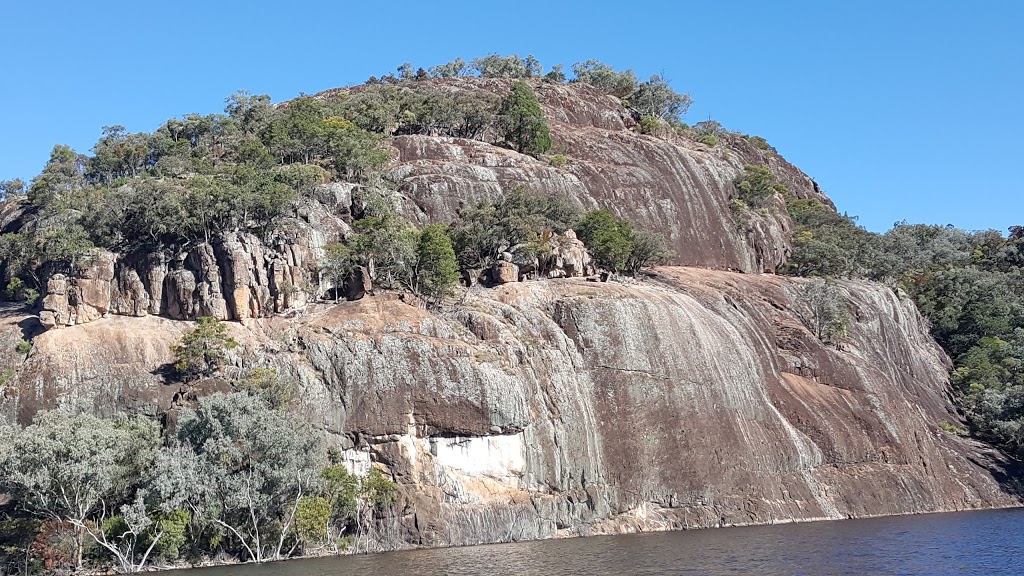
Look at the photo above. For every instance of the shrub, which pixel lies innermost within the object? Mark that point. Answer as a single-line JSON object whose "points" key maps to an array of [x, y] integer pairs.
{"points": [[953, 428], [436, 270], [757, 186], [512, 224], [648, 125], [495, 66], [523, 121], [23, 347], [760, 143], [708, 139], [267, 384], [203, 350], [555, 75], [655, 98], [15, 289], [608, 239], [616, 246], [558, 161], [312, 519], [605, 78], [825, 313]]}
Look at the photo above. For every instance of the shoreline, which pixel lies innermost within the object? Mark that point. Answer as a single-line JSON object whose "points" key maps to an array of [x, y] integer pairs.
{"points": [[791, 521]]}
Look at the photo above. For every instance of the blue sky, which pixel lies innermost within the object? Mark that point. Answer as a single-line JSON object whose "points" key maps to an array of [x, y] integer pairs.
{"points": [[900, 110]]}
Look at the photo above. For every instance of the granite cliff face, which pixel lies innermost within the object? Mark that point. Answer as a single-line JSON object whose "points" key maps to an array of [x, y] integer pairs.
{"points": [[674, 186], [553, 407], [559, 407]]}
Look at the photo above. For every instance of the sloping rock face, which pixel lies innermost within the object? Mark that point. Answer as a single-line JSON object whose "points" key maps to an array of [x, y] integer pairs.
{"points": [[561, 407], [674, 186]]}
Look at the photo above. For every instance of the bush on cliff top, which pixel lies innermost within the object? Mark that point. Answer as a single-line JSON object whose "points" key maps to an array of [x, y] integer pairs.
{"points": [[522, 120]]}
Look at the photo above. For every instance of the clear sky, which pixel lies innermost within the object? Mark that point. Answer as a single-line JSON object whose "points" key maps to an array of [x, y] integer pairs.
{"points": [[899, 109]]}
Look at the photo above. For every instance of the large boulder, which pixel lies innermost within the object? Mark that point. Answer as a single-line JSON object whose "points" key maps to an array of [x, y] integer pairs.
{"points": [[504, 272]]}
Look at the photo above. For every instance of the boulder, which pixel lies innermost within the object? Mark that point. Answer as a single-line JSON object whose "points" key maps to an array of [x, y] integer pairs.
{"points": [[56, 311], [504, 272]]}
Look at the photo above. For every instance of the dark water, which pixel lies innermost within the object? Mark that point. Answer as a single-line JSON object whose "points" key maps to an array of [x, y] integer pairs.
{"points": [[990, 542]]}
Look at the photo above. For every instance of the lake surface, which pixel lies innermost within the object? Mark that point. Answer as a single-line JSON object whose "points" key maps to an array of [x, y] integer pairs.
{"points": [[988, 542]]}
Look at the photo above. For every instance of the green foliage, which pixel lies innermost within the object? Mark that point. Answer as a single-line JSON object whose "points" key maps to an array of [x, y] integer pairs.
{"points": [[355, 152], [15, 289], [608, 239], [119, 154], [377, 490], [342, 489], [968, 285], [605, 78], [648, 125], [384, 244], [760, 143], [454, 69], [389, 109], [202, 351], [523, 122], [338, 262], [312, 517], [757, 187], [826, 243], [12, 189], [74, 468], [708, 139], [656, 99], [556, 74], [269, 386], [495, 66], [514, 223], [647, 249], [173, 528], [953, 428], [708, 132], [64, 173], [616, 246], [436, 270], [558, 161], [23, 347], [825, 312], [243, 466]]}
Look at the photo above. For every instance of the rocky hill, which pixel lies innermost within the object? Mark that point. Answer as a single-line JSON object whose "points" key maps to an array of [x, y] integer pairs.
{"points": [[545, 407]]}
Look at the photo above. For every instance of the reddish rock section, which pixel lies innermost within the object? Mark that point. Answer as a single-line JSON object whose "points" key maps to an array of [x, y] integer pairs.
{"points": [[558, 407], [671, 185]]}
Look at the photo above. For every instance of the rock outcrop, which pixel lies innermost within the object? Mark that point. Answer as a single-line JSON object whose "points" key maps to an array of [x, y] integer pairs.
{"points": [[545, 405], [676, 187], [234, 277], [559, 407]]}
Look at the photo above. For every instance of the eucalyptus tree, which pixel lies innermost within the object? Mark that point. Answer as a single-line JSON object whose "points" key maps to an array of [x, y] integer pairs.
{"points": [[605, 78], [523, 120], [79, 469], [240, 465], [496, 66]]}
